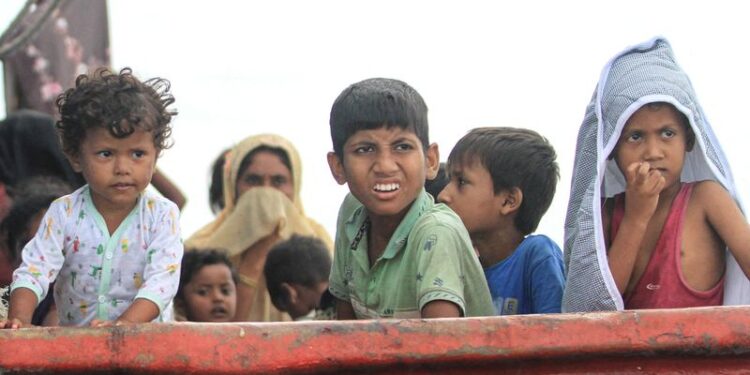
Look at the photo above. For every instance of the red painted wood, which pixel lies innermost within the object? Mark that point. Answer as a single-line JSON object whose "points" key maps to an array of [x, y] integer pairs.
{"points": [[692, 341]]}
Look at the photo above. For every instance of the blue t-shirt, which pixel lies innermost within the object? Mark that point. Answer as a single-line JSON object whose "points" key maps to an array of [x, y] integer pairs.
{"points": [[530, 281]]}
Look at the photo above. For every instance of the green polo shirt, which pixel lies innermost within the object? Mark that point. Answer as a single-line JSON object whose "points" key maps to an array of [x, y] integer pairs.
{"points": [[428, 258]]}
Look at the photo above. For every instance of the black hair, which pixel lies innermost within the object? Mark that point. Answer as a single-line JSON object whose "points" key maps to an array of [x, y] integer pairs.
{"points": [[31, 196], [119, 103], [248, 160], [216, 188], [515, 158], [437, 184], [194, 260], [375, 103], [299, 260]]}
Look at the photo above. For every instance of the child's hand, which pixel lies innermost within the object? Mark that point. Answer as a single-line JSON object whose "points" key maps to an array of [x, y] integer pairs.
{"points": [[642, 192], [96, 323], [13, 324]]}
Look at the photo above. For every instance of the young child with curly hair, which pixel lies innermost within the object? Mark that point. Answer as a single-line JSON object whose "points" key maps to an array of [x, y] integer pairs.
{"points": [[112, 248]]}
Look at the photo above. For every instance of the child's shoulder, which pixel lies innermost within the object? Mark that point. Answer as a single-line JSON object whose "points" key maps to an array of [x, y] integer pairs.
{"points": [[539, 246], [438, 215], [708, 188], [155, 202]]}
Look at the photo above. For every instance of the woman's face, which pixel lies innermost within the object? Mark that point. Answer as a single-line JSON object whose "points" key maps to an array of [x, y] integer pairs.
{"points": [[266, 169]]}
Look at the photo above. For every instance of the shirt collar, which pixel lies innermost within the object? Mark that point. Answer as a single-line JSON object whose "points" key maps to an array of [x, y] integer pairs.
{"points": [[357, 224]]}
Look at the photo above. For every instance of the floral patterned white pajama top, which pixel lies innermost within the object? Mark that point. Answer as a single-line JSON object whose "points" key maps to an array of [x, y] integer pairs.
{"points": [[99, 275]]}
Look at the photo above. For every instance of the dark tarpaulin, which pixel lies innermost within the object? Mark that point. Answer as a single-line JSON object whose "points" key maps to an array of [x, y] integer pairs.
{"points": [[30, 146]]}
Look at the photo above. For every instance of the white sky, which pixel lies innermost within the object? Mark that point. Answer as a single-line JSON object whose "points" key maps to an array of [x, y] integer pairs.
{"points": [[242, 68]]}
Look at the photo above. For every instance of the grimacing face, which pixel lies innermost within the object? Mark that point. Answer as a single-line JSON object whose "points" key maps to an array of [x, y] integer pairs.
{"points": [[385, 169]]}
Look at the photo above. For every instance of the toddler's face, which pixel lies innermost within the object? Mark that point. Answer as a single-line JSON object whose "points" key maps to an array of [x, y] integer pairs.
{"points": [[470, 193], [116, 169], [266, 169], [210, 296]]}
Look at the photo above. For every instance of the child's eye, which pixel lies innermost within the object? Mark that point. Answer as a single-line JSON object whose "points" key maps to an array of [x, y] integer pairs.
{"points": [[668, 133], [201, 292], [403, 147], [227, 291], [461, 181], [138, 154], [364, 149], [104, 153], [634, 137]]}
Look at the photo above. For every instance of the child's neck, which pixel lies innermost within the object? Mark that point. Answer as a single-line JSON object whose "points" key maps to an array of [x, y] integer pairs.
{"points": [[495, 246], [379, 234], [667, 196], [114, 216]]}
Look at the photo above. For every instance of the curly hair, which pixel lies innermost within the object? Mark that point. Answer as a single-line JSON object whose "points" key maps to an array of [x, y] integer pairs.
{"points": [[119, 103]]}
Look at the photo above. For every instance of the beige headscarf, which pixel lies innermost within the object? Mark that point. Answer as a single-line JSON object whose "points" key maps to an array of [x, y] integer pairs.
{"points": [[258, 213]]}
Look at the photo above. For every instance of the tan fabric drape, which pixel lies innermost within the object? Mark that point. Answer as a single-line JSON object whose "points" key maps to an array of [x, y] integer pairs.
{"points": [[258, 213]]}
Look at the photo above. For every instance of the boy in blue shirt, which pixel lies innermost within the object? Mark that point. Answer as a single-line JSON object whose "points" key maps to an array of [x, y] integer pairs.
{"points": [[502, 181], [398, 254]]}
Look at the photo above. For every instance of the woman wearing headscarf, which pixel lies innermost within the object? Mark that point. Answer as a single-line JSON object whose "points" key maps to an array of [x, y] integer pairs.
{"points": [[262, 205]]}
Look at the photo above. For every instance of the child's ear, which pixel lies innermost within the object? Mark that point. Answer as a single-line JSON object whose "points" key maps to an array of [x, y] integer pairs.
{"points": [[511, 200], [290, 292], [432, 161], [337, 168], [74, 162], [690, 142]]}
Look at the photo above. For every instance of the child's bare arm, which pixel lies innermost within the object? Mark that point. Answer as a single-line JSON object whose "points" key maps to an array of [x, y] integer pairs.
{"points": [[641, 199], [140, 311], [344, 310], [727, 220], [23, 301], [440, 309]]}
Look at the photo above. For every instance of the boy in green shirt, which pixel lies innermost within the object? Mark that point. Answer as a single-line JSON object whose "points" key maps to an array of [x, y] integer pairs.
{"points": [[398, 254]]}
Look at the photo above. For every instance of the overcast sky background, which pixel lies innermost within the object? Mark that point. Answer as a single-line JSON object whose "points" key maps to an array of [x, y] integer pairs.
{"points": [[243, 68]]}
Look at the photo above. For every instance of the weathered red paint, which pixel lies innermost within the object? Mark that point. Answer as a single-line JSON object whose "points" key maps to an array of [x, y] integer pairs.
{"points": [[694, 341]]}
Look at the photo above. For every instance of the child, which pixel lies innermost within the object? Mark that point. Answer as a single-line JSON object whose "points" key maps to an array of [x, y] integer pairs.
{"points": [[208, 287], [33, 197], [397, 253], [502, 181], [657, 237], [112, 247], [296, 273]]}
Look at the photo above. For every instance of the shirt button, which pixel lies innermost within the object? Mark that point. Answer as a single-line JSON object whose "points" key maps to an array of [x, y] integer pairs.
{"points": [[109, 255], [102, 299]]}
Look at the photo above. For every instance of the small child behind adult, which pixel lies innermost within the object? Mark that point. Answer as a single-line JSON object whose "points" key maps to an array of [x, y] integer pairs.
{"points": [[33, 197], [112, 247], [296, 273], [502, 181], [208, 287], [398, 254]]}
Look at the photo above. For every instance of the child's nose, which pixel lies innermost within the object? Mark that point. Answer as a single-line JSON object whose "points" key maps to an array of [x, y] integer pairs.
{"points": [[444, 195], [385, 162], [653, 150], [122, 166]]}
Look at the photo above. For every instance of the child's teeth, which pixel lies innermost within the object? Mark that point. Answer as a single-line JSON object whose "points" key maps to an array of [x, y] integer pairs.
{"points": [[386, 187]]}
